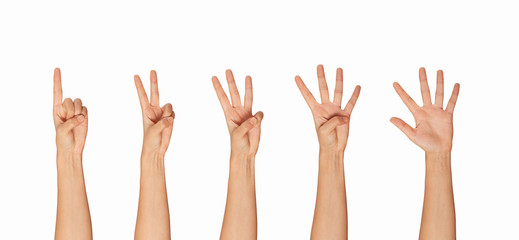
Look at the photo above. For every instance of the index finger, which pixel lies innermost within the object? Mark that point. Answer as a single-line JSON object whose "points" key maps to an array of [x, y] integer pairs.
{"points": [[220, 93], [408, 101], [154, 89], [143, 98], [307, 95], [58, 92]]}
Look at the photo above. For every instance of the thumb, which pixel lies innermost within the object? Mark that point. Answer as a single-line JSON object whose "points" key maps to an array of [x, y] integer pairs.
{"points": [[72, 123], [331, 124], [403, 126], [161, 125], [248, 124]]}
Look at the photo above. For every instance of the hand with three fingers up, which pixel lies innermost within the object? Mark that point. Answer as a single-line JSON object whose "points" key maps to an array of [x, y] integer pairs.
{"points": [[244, 128]]}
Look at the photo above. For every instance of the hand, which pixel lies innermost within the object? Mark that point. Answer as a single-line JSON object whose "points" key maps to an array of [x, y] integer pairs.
{"points": [[331, 121], [70, 120], [157, 122], [433, 132], [244, 128]]}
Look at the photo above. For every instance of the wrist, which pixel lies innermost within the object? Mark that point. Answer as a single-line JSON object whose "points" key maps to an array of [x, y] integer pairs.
{"points": [[438, 161], [152, 159], [68, 160], [331, 160], [331, 154], [242, 164]]}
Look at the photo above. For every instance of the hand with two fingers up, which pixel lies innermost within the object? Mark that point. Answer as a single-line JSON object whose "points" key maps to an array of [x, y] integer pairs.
{"points": [[157, 121]]}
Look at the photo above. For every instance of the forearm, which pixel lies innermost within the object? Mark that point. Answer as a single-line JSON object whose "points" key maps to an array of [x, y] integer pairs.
{"points": [[330, 218], [153, 212], [438, 217], [240, 211], [73, 215]]}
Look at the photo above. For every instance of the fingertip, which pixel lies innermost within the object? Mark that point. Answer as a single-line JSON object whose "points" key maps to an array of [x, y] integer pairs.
{"points": [[259, 115], [395, 84], [393, 120], [80, 118], [253, 120]]}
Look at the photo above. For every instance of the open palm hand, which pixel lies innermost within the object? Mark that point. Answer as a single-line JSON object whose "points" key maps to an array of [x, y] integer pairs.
{"points": [[331, 121], [434, 130]]}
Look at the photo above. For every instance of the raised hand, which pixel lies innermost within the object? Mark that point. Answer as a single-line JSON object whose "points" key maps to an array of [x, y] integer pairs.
{"points": [[433, 131], [71, 123], [331, 121], [157, 121], [70, 120], [153, 213], [244, 128], [239, 220]]}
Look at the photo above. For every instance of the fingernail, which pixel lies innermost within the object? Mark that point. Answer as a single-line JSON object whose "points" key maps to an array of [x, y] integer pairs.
{"points": [[80, 118], [170, 119], [253, 120]]}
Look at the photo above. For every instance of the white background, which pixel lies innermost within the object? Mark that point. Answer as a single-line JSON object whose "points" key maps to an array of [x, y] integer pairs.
{"points": [[100, 45]]}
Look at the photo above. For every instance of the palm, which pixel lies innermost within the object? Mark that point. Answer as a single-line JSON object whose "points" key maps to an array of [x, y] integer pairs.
{"points": [[78, 134], [324, 112], [433, 131], [236, 114], [433, 128], [151, 115]]}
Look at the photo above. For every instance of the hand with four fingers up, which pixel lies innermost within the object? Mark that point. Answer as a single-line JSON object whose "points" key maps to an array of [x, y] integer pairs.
{"points": [[331, 120]]}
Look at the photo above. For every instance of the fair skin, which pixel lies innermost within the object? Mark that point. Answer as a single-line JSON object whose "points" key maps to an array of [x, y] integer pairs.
{"points": [[332, 125], [433, 133], [153, 212], [244, 129], [71, 123]]}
